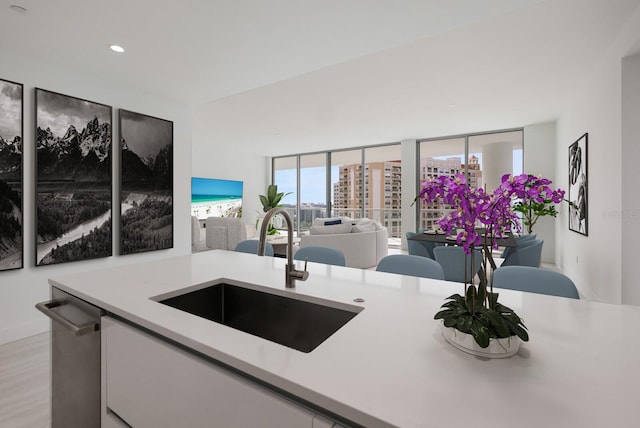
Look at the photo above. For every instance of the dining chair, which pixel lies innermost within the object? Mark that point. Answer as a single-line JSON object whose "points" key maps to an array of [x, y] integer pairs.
{"points": [[453, 259], [534, 280], [251, 246], [421, 248], [527, 254], [326, 255], [520, 240], [406, 264]]}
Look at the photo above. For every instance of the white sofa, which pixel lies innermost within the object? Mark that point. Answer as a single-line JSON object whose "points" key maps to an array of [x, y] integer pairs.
{"points": [[363, 241]]}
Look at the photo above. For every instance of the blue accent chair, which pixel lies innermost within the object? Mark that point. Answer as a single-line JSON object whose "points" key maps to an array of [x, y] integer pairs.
{"points": [[421, 248], [526, 254], [326, 255], [534, 280], [520, 240], [452, 259], [405, 264], [251, 246]]}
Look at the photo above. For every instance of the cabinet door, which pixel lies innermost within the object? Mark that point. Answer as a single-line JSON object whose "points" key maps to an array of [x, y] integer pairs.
{"points": [[150, 383]]}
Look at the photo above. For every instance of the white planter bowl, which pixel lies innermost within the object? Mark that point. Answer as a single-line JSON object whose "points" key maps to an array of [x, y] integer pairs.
{"points": [[498, 348]]}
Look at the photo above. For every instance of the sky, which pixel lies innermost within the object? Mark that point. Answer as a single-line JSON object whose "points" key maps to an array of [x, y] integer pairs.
{"points": [[57, 112], [210, 186], [10, 110], [314, 187], [145, 135]]}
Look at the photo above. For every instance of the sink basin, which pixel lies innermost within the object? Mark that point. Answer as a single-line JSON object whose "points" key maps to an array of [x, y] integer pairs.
{"points": [[289, 321]]}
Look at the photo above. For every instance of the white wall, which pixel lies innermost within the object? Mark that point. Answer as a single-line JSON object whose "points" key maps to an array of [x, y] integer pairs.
{"points": [[630, 211], [21, 289], [217, 157], [539, 159], [594, 262]]}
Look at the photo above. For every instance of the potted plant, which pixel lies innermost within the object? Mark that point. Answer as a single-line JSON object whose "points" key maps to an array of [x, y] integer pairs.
{"points": [[475, 321], [533, 204], [271, 200]]}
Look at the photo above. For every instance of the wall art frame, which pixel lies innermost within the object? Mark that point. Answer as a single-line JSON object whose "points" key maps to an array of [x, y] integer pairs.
{"points": [[146, 183], [578, 186], [73, 178], [11, 175]]}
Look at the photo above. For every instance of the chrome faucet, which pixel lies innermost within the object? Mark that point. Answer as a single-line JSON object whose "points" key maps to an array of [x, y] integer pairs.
{"points": [[291, 274]]}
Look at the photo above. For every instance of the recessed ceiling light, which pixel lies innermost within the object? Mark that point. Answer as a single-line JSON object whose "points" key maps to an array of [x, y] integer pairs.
{"points": [[116, 48], [452, 105], [19, 9]]}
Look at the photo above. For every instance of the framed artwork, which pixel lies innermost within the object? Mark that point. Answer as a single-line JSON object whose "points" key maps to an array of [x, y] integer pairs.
{"points": [[11, 177], [578, 189], [73, 178], [146, 183]]}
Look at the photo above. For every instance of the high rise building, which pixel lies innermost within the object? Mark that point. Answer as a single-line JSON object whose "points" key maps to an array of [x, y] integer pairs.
{"points": [[381, 184], [379, 188], [432, 168]]}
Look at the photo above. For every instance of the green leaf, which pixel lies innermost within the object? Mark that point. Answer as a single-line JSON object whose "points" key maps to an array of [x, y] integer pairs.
{"points": [[449, 321], [272, 190], [442, 314], [493, 299], [264, 202], [498, 324], [480, 333], [464, 323]]}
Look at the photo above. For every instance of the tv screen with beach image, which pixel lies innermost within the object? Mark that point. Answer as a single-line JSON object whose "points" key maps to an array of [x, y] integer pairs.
{"points": [[211, 197]]}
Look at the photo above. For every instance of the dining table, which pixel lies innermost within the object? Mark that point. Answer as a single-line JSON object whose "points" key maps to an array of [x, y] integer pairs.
{"points": [[441, 237]]}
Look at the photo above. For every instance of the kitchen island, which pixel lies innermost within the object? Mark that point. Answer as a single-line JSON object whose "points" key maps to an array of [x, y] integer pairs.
{"points": [[389, 365]]}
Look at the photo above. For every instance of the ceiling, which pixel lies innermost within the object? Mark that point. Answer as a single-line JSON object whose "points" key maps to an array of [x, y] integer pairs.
{"points": [[195, 51], [315, 75]]}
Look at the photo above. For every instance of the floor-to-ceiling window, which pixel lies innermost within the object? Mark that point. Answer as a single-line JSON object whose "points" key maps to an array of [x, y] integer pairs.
{"points": [[445, 156], [313, 189], [483, 158], [285, 176], [356, 183], [383, 187], [346, 183]]}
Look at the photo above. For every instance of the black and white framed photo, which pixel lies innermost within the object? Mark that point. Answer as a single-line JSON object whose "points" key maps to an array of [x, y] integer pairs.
{"points": [[11, 176], [73, 178], [146, 183], [578, 189]]}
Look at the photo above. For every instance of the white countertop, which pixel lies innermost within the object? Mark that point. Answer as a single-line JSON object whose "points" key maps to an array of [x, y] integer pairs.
{"points": [[390, 364]]}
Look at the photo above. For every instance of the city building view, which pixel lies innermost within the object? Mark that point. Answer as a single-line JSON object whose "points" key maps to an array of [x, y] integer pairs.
{"points": [[450, 166]]}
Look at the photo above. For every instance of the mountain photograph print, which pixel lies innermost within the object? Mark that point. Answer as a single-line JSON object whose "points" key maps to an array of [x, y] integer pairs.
{"points": [[146, 183], [73, 179], [11, 217]]}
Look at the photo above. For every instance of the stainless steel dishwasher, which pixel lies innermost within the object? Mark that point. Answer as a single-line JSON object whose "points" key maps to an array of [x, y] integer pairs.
{"points": [[75, 360]]}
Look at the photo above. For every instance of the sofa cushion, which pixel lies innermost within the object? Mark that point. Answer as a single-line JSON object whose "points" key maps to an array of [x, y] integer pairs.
{"points": [[356, 228], [330, 230], [319, 221], [367, 221]]}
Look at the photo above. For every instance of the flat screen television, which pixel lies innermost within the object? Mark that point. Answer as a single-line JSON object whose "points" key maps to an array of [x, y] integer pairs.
{"points": [[211, 197]]}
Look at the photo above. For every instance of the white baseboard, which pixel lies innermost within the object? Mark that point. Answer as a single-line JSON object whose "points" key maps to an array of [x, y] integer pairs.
{"points": [[25, 330]]}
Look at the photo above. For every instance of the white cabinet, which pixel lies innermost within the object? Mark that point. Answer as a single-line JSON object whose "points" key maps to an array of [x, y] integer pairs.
{"points": [[150, 383]]}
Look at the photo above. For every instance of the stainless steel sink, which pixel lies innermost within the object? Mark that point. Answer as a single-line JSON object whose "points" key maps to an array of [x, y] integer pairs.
{"points": [[289, 321]]}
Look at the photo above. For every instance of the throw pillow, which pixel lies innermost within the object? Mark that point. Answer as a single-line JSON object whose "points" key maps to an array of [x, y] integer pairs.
{"points": [[330, 230], [363, 228], [332, 222]]}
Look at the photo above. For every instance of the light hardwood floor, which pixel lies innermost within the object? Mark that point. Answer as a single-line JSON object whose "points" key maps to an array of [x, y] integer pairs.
{"points": [[24, 383]]}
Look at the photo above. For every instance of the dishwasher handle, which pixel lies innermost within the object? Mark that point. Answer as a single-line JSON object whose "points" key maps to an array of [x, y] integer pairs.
{"points": [[77, 330]]}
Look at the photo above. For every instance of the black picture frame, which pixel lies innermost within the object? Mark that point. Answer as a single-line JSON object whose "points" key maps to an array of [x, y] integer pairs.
{"points": [[74, 154], [11, 175], [146, 183], [578, 186]]}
